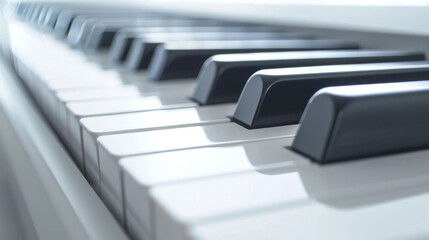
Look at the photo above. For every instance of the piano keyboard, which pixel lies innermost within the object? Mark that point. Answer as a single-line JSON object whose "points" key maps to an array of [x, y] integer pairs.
{"points": [[196, 128]]}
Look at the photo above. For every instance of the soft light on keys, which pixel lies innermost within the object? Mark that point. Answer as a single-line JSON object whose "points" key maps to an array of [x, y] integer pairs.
{"points": [[94, 127]]}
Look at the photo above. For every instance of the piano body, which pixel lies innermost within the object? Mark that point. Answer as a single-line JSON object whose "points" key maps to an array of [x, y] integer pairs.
{"points": [[189, 120]]}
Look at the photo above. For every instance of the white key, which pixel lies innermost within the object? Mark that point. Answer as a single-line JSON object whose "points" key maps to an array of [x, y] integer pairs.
{"points": [[48, 89], [62, 93], [390, 220], [178, 206], [94, 127], [141, 173], [78, 110], [364, 183], [59, 112], [114, 147]]}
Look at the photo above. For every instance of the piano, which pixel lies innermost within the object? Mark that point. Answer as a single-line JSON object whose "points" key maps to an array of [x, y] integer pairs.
{"points": [[214, 120]]}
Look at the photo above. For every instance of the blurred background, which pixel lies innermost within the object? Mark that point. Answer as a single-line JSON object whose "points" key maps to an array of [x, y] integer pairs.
{"points": [[395, 16]]}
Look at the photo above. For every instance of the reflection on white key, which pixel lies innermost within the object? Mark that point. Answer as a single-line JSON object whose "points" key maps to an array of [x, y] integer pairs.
{"points": [[141, 173], [78, 110], [179, 205], [348, 189], [114, 147], [402, 219], [94, 127]]}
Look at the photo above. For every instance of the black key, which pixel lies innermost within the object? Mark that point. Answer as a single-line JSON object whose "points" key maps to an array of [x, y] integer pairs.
{"points": [[144, 47], [278, 96], [47, 13], [222, 77], [124, 38], [102, 34], [65, 18], [29, 11], [54, 12], [35, 14], [350, 122], [42, 15], [51, 17], [83, 25], [174, 60], [20, 8], [121, 45], [39, 14]]}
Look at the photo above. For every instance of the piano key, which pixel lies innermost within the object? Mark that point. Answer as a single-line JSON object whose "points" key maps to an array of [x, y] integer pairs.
{"points": [[278, 96], [19, 8], [144, 47], [218, 197], [48, 83], [76, 90], [222, 77], [57, 109], [42, 15], [54, 11], [108, 92], [389, 219], [65, 18], [102, 34], [142, 173], [349, 122], [51, 17], [94, 127], [342, 195], [184, 59], [46, 91], [57, 106], [123, 40], [78, 110], [82, 25], [112, 149], [35, 14], [176, 208], [29, 11]]}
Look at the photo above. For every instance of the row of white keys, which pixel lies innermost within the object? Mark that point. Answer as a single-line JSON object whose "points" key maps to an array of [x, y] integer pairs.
{"points": [[66, 96], [79, 110], [55, 61], [70, 102], [94, 127], [58, 109], [55, 93], [364, 193], [114, 147]]}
